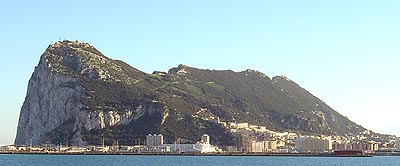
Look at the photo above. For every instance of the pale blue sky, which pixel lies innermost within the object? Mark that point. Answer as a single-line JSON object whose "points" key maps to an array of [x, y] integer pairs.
{"points": [[346, 52]]}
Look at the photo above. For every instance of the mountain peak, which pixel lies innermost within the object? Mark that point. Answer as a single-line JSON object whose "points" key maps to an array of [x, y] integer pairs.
{"points": [[79, 59], [74, 57], [70, 43], [180, 70], [182, 66]]}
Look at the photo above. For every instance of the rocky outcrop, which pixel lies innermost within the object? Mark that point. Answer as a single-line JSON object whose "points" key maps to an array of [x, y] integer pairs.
{"points": [[53, 111], [52, 99]]}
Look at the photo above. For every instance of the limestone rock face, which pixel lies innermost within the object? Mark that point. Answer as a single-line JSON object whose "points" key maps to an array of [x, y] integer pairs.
{"points": [[51, 100], [53, 111]]}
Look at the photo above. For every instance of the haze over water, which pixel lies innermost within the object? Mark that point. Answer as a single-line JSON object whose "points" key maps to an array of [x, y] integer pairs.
{"points": [[44, 160]]}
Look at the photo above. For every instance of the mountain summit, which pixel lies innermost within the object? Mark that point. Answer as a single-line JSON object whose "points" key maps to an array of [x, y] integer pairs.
{"points": [[79, 96]]}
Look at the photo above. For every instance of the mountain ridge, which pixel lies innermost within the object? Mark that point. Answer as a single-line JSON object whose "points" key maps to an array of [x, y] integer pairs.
{"points": [[78, 95]]}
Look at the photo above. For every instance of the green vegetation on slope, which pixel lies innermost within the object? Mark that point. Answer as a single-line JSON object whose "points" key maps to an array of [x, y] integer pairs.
{"points": [[247, 96]]}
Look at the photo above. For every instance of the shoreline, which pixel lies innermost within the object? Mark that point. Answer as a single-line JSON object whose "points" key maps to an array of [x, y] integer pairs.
{"points": [[194, 154]]}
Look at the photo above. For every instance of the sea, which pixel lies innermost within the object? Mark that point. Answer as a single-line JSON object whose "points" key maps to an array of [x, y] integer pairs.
{"points": [[137, 160]]}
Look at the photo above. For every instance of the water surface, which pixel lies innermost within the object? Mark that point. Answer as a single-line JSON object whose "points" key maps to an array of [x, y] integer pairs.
{"points": [[72, 160]]}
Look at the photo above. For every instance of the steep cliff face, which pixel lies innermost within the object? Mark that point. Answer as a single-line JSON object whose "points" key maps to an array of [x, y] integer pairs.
{"points": [[78, 96], [51, 101], [54, 110]]}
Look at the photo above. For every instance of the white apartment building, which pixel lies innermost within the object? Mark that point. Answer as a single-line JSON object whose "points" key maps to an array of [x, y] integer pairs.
{"points": [[312, 144], [263, 146]]}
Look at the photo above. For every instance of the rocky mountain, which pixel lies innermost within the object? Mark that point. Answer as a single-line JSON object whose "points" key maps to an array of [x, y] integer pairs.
{"points": [[78, 95]]}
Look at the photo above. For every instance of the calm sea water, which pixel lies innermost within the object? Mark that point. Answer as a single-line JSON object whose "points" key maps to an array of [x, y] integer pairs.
{"points": [[60, 160]]}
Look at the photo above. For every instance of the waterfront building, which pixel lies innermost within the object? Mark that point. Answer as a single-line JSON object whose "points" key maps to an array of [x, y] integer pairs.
{"points": [[364, 146], [206, 148], [340, 145], [154, 140], [198, 147], [22, 148], [398, 145], [181, 147], [372, 146], [238, 142], [137, 148], [157, 149], [76, 149], [231, 149], [257, 147], [263, 146], [243, 142], [205, 139], [272, 146], [312, 144], [203, 146], [8, 148]]}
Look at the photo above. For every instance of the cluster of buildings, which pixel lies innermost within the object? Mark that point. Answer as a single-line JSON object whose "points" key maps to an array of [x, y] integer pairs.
{"points": [[326, 144], [8, 148], [155, 142], [258, 139], [56, 149], [247, 139]]}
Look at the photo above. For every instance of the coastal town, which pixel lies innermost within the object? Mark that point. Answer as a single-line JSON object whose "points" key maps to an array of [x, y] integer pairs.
{"points": [[248, 140]]}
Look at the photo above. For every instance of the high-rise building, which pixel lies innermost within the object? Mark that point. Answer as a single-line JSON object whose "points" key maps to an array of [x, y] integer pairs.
{"points": [[398, 144], [263, 146], [257, 146], [372, 146], [159, 140], [238, 142], [312, 144], [154, 140]]}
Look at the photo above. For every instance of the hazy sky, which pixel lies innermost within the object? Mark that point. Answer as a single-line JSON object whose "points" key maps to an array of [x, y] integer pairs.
{"points": [[346, 52]]}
